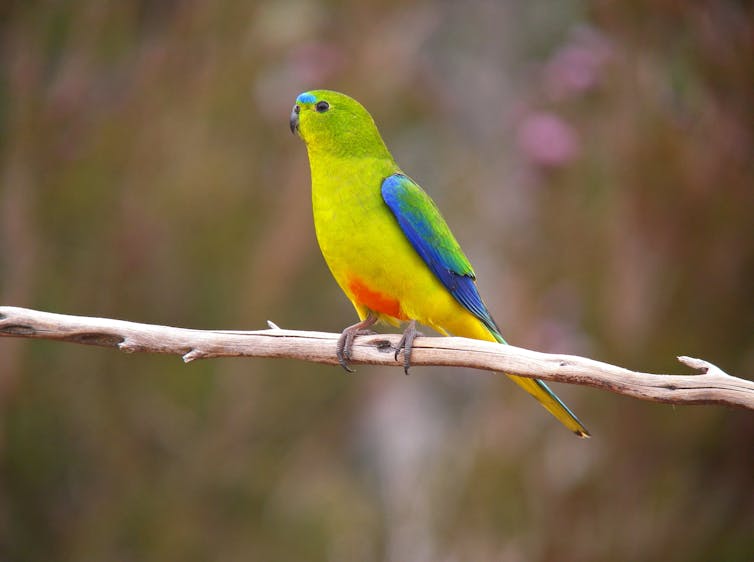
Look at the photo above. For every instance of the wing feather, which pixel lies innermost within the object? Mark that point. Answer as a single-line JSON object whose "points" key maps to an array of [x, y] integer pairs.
{"points": [[431, 237]]}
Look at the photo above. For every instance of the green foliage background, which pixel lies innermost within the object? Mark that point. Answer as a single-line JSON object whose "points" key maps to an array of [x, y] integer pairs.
{"points": [[596, 161]]}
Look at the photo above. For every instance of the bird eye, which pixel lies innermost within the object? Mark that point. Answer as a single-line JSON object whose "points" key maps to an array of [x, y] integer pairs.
{"points": [[322, 106], [297, 109]]}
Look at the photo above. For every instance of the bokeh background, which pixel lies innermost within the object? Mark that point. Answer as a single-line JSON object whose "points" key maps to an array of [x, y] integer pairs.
{"points": [[596, 161]]}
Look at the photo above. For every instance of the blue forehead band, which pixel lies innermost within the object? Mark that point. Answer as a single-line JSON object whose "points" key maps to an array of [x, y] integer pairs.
{"points": [[306, 97]]}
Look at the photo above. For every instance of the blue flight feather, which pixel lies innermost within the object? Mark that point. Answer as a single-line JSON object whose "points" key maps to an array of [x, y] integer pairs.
{"points": [[431, 237]]}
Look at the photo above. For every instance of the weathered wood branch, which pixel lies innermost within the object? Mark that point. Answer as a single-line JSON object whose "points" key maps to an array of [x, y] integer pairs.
{"points": [[711, 386]]}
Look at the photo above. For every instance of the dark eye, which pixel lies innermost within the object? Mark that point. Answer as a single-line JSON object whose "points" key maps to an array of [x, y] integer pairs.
{"points": [[322, 106], [297, 110]]}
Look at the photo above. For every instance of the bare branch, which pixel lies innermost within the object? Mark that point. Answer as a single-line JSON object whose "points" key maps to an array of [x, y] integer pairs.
{"points": [[712, 386]]}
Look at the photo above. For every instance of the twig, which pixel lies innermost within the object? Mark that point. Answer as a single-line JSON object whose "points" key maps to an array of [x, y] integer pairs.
{"points": [[712, 386]]}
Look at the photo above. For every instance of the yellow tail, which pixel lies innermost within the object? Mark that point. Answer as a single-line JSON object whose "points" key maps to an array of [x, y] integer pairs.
{"points": [[554, 405], [477, 330]]}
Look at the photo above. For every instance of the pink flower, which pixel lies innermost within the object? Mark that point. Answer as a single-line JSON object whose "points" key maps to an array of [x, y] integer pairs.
{"points": [[546, 140], [575, 68]]}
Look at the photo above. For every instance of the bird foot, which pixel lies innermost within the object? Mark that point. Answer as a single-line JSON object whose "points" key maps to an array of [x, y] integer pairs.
{"points": [[345, 342], [407, 344]]}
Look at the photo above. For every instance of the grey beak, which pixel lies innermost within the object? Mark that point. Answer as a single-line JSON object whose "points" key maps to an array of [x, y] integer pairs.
{"points": [[294, 119]]}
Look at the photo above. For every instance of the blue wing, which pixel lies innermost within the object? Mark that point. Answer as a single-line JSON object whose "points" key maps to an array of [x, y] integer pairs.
{"points": [[431, 237]]}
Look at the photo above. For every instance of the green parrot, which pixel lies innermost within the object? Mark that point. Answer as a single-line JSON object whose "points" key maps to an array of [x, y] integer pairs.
{"points": [[385, 241]]}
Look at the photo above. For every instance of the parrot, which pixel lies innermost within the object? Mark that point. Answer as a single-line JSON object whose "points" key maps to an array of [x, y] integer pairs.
{"points": [[385, 241]]}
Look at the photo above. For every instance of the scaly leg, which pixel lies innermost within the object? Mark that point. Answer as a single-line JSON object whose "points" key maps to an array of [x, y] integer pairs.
{"points": [[345, 342], [406, 344]]}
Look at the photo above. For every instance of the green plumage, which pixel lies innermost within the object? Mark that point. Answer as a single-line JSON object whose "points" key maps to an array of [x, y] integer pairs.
{"points": [[384, 239]]}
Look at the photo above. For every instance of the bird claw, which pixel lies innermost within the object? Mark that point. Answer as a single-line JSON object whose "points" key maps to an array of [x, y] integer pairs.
{"points": [[406, 344], [345, 341]]}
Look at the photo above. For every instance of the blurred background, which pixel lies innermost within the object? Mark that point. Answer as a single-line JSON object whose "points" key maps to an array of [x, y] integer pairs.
{"points": [[596, 161]]}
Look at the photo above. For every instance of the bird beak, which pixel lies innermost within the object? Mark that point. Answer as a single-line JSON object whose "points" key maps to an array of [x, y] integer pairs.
{"points": [[294, 119]]}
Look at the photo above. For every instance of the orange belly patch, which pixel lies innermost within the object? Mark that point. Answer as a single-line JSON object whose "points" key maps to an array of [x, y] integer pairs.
{"points": [[375, 300]]}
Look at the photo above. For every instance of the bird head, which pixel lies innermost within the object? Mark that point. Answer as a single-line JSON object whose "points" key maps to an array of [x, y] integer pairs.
{"points": [[336, 123]]}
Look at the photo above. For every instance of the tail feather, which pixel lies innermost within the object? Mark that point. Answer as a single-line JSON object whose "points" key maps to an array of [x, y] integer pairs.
{"points": [[552, 403], [472, 326], [539, 390]]}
